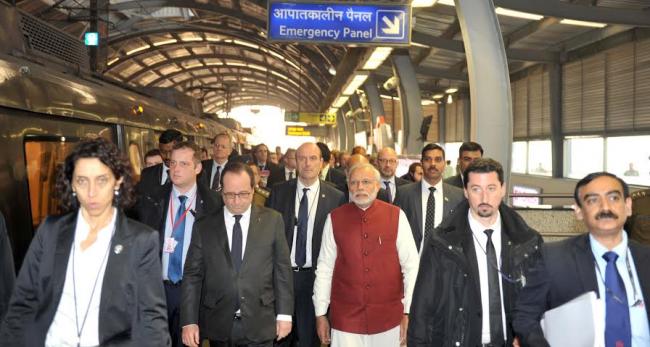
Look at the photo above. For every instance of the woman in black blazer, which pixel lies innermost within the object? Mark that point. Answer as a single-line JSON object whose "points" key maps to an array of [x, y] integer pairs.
{"points": [[91, 276]]}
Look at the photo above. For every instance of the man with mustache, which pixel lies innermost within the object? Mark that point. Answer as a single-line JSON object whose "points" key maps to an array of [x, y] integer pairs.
{"points": [[472, 267], [602, 260], [367, 266], [427, 202]]}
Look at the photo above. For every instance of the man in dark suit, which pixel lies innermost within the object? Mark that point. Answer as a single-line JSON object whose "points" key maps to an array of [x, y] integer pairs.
{"points": [[603, 260], [429, 201], [467, 153], [271, 173], [305, 204], [187, 200], [153, 177], [238, 285], [212, 168], [289, 165], [7, 271], [387, 160], [336, 177]]}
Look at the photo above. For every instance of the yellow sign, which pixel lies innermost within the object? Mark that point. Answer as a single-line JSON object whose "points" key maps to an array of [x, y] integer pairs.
{"points": [[310, 117], [297, 131]]}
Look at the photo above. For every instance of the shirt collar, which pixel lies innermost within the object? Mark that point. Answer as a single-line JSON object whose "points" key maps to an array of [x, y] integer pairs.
{"points": [[598, 249], [217, 164], [426, 185], [190, 193], [478, 228], [391, 180], [324, 171], [312, 187]]}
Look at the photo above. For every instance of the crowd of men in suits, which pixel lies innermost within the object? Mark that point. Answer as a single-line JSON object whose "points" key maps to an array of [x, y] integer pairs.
{"points": [[313, 251]]}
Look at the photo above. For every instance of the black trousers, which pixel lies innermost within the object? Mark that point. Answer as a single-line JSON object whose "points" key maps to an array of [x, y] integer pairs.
{"points": [[303, 332], [238, 339], [173, 295]]}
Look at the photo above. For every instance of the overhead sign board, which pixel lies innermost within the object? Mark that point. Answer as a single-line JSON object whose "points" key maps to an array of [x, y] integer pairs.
{"points": [[310, 117], [316, 131], [345, 23], [91, 39]]}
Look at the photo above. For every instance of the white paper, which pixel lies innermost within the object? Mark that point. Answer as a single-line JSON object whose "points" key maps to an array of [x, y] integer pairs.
{"points": [[578, 323]]}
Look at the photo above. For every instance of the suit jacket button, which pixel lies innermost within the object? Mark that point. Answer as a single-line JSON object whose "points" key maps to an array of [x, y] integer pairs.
{"points": [[242, 298], [365, 236], [365, 253]]}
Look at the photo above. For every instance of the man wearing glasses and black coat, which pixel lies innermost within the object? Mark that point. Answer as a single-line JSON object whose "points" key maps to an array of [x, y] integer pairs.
{"points": [[473, 267]]}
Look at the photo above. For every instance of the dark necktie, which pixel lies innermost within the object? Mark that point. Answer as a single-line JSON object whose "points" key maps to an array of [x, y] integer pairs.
{"points": [[175, 265], [236, 244], [217, 179], [301, 235], [390, 195], [290, 175], [496, 323], [431, 213], [617, 313], [167, 180]]}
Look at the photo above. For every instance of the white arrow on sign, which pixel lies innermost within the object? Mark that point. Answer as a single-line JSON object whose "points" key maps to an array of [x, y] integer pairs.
{"points": [[392, 27]]}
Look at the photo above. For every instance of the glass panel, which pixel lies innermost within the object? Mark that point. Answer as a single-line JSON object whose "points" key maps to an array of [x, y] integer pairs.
{"points": [[44, 159], [629, 158], [540, 158], [451, 155], [519, 154], [583, 155]]}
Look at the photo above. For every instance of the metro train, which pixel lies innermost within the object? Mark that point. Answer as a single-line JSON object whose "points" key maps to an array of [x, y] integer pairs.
{"points": [[43, 113]]}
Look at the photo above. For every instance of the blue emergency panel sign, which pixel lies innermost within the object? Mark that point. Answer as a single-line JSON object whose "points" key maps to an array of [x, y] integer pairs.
{"points": [[345, 23], [91, 39]]}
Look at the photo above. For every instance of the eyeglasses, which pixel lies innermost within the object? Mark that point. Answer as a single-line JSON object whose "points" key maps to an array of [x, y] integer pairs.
{"points": [[232, 196], [384, 161]]}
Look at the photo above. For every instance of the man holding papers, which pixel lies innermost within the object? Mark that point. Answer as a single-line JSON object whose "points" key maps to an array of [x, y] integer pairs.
{"points": [[602, 260]]}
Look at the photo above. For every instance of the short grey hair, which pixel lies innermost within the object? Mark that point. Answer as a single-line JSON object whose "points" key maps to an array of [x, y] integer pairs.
{"points": [[359, 166]]}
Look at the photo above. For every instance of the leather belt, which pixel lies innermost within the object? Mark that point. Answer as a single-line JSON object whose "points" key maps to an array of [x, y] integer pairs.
{"points": [[300, 268]]}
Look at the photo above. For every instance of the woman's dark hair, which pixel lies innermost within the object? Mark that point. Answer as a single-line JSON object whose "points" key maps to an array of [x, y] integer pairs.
{"points": [[110, 156]]}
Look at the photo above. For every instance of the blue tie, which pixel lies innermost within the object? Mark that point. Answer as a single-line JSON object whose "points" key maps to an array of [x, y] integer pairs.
{"points": [[301, 238], [617, 313], [175, 268]]}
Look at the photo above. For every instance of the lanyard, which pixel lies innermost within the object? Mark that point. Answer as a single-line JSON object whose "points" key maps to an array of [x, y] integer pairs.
{"points": [[92, 293], [171, 211], [637, 300]]}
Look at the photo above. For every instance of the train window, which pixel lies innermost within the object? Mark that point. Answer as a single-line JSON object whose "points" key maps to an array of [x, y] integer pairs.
{"points": [[629, 158], [44, 156], [519, 153], [583, 155], [540, 162]]}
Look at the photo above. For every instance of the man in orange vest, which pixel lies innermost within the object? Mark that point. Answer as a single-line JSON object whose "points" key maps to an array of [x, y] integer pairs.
{"points": [[366, 270]]}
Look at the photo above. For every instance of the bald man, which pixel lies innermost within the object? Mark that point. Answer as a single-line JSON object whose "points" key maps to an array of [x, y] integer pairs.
{"points": [[387, 164], [361, 159], [304, 204]]}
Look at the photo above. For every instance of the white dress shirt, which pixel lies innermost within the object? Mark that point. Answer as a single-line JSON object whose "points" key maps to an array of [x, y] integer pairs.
{"points": [[216, 165], [638, 317], [89, 264], [439, 211], [287, 171], [480, 244], [312, 206], [189, 222], [324, 171], [391, 185], [244, 222], [408, 260], [163, 177]]}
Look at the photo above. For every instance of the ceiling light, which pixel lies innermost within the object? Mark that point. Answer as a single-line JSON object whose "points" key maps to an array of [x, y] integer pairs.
{"points": [[583, 23], [446, 2], [438, 96], [113, 61], [449, 99], [517, 14], [332, 71], [139, 49], [340, 101], [377, 58], [423, 3], [451, 90], [355, 83], [246, 44], [332, 110], [165, 42], [192, 39]]}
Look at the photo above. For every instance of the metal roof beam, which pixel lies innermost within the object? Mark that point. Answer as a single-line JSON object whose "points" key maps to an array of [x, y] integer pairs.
{"points": [[560, 9], [457, 46]]}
